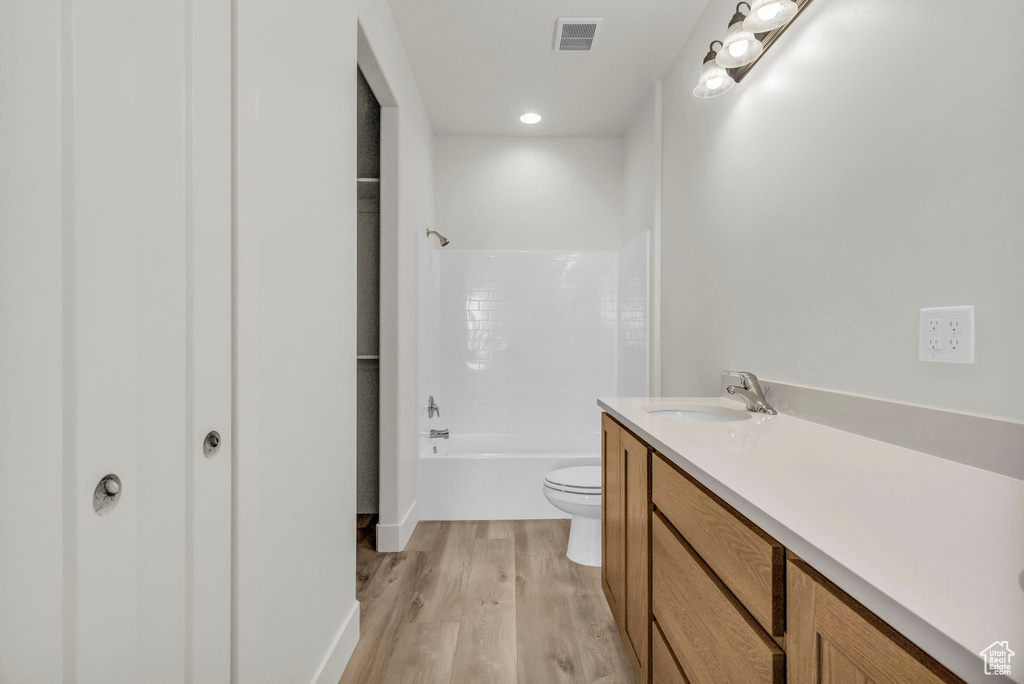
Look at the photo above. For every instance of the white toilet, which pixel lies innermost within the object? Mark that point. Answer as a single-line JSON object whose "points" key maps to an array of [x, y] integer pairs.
{"points": [[577, 491]]}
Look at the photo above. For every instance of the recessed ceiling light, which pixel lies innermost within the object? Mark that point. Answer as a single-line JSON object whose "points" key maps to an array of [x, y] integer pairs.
{"points": [[530, 118]]}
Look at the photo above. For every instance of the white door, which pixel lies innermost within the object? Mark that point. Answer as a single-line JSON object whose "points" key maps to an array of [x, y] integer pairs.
{"points": [[115, 340]]}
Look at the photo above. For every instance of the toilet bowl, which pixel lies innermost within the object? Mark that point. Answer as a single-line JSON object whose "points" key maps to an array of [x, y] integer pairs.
{"points": [[577, 491]]}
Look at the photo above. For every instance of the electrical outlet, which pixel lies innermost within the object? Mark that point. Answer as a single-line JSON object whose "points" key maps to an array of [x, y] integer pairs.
{"points": [[947, 334]]}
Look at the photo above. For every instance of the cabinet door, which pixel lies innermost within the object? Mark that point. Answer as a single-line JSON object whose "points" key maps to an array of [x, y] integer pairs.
{"points": [[638, 546], [833, 640], [613, 518]]}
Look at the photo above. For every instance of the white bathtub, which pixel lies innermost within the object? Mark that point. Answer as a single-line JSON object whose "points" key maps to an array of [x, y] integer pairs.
{"points": [[496, 476]]}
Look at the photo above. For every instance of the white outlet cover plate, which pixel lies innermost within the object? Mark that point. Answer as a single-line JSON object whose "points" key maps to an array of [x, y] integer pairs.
{"points": [[939, 347]]}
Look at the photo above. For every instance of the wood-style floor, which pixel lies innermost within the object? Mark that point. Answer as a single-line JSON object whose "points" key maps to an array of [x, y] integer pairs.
{"points": [[490, 602]]}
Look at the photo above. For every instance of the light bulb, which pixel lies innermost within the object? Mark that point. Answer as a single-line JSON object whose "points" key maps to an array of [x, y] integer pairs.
{"points": [[530, 118], [714, 83], [768, 15], [738, 48]]}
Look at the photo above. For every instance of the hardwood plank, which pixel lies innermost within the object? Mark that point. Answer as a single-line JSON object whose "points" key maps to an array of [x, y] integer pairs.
{"points": [[382, 608], [428, 536], [541, 537], [602, 653], [422, 654], [486, 648], [563, 603], [367, 559], [714, 638], [546, 649], [441, 588], [496, 529], [745, 558]]}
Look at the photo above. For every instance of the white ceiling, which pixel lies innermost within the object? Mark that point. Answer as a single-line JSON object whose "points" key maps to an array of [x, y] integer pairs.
{"points": [[480, 64]]}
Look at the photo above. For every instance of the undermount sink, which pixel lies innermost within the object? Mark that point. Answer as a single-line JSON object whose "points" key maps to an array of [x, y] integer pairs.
{"points": [[696, 412]]}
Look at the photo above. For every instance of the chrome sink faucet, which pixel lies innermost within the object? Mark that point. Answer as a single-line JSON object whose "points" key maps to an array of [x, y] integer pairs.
{"points": [[749, 390]]}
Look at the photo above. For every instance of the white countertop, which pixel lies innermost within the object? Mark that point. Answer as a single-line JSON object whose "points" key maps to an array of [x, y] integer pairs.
{"points": [[933, 547]]}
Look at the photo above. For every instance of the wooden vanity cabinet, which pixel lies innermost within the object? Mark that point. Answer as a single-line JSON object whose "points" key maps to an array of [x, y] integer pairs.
{"points": [[613, 519], [638, 553], [701, 595], [832, 639], [626, 546]]}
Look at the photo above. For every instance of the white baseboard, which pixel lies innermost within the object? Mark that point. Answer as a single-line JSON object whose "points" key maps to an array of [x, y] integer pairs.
{"points": [[395, 537], [337, 657]]}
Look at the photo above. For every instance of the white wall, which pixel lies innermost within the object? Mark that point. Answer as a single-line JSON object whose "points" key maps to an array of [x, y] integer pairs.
{"points": [[638, 173], [862, 171], [519, 193], [297, 618], [412, 169], [295, 341]]}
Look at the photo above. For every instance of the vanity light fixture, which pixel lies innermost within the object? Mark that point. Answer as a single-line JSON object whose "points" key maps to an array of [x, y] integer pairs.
{"points": [[740, 46], [714, 79], [767, 15], [530, 118], [749, 37]]}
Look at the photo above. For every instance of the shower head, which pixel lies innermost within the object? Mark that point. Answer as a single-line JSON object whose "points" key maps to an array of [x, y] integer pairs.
{"points": [[442, 238]]}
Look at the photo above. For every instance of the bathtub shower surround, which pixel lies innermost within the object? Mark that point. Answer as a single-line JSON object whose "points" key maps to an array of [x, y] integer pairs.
{"points": [[524, 336], [524, 342], [428, 256], [633, 371]]}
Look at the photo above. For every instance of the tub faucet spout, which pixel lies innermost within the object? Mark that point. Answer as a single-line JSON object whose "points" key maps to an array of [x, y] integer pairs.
{"points": [[435, 434]]}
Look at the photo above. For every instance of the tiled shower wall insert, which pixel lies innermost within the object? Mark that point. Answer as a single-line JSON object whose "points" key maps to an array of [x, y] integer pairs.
{"points": [[633, 350], [527, 342], [428, 276]]}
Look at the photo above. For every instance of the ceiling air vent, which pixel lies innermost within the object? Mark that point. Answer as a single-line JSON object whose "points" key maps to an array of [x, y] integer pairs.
{"points": [[576, 35]]}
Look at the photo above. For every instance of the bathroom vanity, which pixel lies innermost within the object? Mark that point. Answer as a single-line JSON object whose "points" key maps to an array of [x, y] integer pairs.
{"points": [[768, 549]]}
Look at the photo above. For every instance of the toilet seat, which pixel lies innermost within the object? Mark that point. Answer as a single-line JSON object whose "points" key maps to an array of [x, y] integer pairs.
{"points": [[576, 480]]}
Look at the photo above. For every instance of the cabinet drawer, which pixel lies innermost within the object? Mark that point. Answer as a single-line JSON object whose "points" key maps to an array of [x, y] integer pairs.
{"points": [[747, 560], [713, 637], [664, 668]]}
